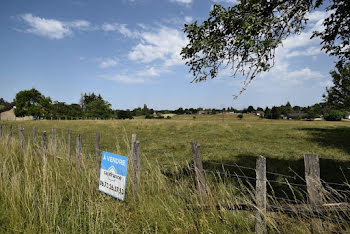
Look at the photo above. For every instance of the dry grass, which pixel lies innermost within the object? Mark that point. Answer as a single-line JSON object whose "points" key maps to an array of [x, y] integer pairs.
{"points": [[46, 194]]}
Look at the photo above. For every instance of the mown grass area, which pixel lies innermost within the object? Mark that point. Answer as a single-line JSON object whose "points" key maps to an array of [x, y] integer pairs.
{"points": [[46, 194]]}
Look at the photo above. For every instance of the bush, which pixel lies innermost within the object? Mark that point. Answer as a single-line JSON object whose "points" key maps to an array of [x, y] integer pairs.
{"points": [[333, 115], [240, 116]]}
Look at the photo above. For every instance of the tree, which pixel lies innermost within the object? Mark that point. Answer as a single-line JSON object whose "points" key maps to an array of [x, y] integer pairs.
{"points": [[338, 96], [250, 109], [30, 102], [275, 112], [333, 115], [244, 37], [99, 109]]}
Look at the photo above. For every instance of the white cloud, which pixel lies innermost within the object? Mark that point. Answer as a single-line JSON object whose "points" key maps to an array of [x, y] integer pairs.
{"points": [[51, 28], [226, 1], [164, 44], [317, 15], [303, 74], [188, 19], [311, 51], [108, 63], [127, 79], [121, 28], [182, 1]]}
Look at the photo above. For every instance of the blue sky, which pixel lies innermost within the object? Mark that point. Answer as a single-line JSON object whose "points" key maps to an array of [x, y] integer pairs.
{"points": [[128, 51]]}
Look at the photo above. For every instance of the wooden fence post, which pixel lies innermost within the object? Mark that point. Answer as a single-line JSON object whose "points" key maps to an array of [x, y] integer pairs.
{"points": [[69, 145], [10, 135], [0, 132], [53, 141], [260, 225], [135, 164], [44, 142], [199, 172], [97, 147], [21, 137], [78, 153], [313, 181]]}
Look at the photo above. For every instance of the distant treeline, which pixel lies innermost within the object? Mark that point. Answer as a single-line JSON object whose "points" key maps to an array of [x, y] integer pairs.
{"points": [[32, 102]]}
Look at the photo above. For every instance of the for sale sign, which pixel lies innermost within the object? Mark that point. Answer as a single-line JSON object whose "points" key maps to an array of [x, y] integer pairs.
{"points": [[113, 175]]}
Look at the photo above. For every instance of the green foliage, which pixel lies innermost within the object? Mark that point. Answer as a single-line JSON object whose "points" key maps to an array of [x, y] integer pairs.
{"points": [[121, 114], [338, 96], [275, 112], [250, 109], [245, 36], [240, 116], [333, 115], [31, 102]]}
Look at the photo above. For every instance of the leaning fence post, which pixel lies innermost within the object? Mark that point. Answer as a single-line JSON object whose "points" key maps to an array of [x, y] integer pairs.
{"points": [[21, 136], [198, 167], [10, 135], [78, 152], [54, 142], [260, 225], [97, 147], [69, 145], [313, 181], [44, 143]]}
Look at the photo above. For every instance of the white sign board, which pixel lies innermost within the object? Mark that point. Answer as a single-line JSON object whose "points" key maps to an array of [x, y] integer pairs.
{"points": [[113, 175]]}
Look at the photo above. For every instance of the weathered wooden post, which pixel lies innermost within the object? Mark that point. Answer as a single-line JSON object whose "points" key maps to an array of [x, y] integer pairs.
{"points": [[97, 147], [314, 188], [53, 142], [44, 142], [69, 145], [0, 132], [135, 164], [10, 135], [21, 137], [260, 224], [199, 172], [78, 153], [313, 181]]}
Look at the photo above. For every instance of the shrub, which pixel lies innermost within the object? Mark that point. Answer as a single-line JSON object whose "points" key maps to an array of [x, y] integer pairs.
{"points": [[240, 116], [333, 115]]}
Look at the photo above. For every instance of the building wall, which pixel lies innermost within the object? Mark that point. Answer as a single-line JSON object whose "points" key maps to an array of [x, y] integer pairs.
{"points": [[10, 116]]}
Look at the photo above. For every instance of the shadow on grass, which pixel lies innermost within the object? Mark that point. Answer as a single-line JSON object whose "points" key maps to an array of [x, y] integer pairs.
{"points": [[286, 177], [338, 137]]}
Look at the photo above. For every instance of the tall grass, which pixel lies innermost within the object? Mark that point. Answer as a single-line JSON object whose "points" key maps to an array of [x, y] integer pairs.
{"points": [[43, 193]]}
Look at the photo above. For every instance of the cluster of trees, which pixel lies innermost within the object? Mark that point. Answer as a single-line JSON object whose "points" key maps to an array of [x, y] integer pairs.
{"points": [[32, 102]]}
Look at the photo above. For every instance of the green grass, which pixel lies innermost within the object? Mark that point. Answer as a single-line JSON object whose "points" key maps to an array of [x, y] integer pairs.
{"points": [[46, 194]]}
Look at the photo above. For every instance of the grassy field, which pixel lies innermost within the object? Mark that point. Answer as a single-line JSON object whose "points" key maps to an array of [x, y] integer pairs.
{"points": [[47, 195]]}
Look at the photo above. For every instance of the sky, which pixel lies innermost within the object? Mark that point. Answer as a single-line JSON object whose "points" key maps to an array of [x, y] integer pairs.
{"points": [[129, 52]]}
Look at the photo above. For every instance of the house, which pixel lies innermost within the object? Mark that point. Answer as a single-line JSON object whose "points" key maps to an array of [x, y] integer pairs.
{"points": [[10, 115], [347, 116], [202, 112], [295, 115], [260, 113]]}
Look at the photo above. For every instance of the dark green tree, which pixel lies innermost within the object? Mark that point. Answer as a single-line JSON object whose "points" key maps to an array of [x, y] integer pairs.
{"points": [[244, 36], [30, 102], [250, 109], [338, 96], [275, 112]]}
